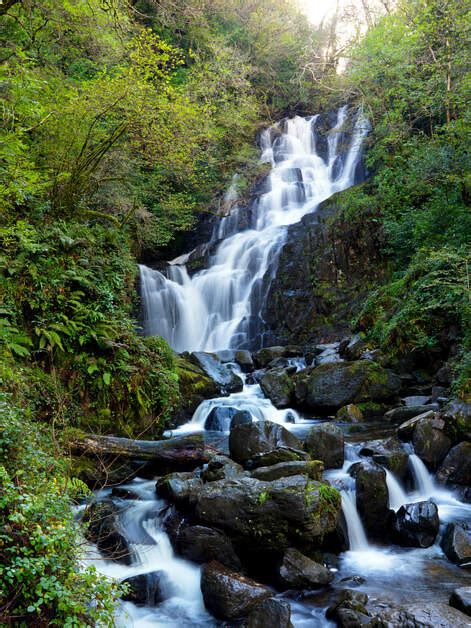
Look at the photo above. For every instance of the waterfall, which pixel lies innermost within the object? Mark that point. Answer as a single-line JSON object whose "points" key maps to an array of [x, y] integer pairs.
{"points": [[422, 478], [219, 307], [397, 495], [356, 533]]}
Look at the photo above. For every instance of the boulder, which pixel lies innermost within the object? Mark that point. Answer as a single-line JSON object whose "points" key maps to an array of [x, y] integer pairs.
{"points": [[423, 615], [431, 443], [461, 599], [229, 595], [278, 386], [353, 348], [202, 545], [390, 454], [148, 589], [246, 441], [327, 354], [372, 498], [219, 468], [244, 360], [300, 572], [270, 612], [456, 543], [404, 413], [416, 400], [270, 516], [349, 609], [222, 375], [312, 468], [416, 525], [263, 357], [328, 387], [456, 468], [242, 417], [276, 456], [178, 488], [406, 430], [195, 386], [103, 529], [349, 414], [219, 419], [325, 442]]}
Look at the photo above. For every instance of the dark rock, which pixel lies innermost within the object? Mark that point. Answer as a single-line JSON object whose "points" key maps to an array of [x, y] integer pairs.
{"points": [[300, 572], [416, 400], [461, 599], [278, 386], [263, 357], [326, 442], [372, 498], [404, 413], [349, 609], [312, 468], [354, 580], [124, 493], [456, 543], [195, 386], [178, 488], [270, 516], [328, 355], [283, 363], [229, 595], [430, 441], [225, 379], [246, 441], [424, 615], [242, 417], [390, 454], [354, 348], [149, 589], [330, 386], [271, 613], [103, 529], [244, 360], [349, 414], [202, 545], [219, 419], [444, 375], [221, 468], [416, 525], [456, 468], [439, 392], [276, 456], [406, 430]]}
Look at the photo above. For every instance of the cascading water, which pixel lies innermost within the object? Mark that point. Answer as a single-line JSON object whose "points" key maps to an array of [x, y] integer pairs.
{"points": [[423, 479], [397, 495], [219, 307]]}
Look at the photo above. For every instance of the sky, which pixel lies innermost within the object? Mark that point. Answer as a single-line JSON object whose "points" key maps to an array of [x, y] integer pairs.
{"points": [[316, 10]]}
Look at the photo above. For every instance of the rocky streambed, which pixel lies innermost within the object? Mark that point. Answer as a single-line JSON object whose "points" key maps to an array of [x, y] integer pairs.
{"points": [[314, 487]]}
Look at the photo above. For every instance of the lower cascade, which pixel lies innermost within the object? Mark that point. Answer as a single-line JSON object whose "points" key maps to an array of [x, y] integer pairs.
{"points": [[220, 306]]}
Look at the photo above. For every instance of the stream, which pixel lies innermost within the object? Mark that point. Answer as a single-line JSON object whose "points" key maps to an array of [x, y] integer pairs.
{"points": [[219, 308]]}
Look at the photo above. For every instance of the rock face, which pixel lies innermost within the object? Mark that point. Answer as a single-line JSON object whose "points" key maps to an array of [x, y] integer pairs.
{"points": [[416, 525], [202, 545], [326, 442], [372, 498], [225, 379], [247, 441], [461, 599], [328, 387], [149, 589], [456, 468], [269, 516], [227, 594], [278, 386], [456, 543], [431, 443], [300, 572]]}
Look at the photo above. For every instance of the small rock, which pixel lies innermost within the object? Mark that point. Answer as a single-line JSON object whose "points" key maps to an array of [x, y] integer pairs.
{"points": [[221, 468], [312, 468], [406, 430], [270, 613], [246, 441], [300, 572], [263, 357], [104, 529], [349, 609], [276, 456], [416, 400], [244, 360], [390, 454], [456, 543], [202, 545], [148, 589], [416, 525], [350, 414], [354, 349], [326, 442], [404, 413], [278, 386], [461, 599]]}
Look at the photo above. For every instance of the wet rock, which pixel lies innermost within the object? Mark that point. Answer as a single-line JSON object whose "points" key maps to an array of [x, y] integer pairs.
{"points": [[354, 348], [178, 488], [124, 493], [444, 375], [372, 498], [327, 354], [283, 363], [456, 468], [195, 386], [270, 516], [246, 441], [244, 360], [406, 430], [229, 595], [349, 414], [390, 454], [276, 456], [221, 468], [300, 572], [225, 379], [242, 417], [456, 543], [330, 386], [312, 468], [416, 525], [431, 443], [263, 357], [270, 613], [278, 386], [404, 413], [149, 589], [326, 442], [461, 599], [202, 545], [103, 529], [349, 609], [416, 400], [425, 615], [219, 419]]}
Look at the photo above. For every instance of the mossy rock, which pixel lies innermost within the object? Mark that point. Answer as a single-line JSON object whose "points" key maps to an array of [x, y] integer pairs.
{"points": [[195, 386]]}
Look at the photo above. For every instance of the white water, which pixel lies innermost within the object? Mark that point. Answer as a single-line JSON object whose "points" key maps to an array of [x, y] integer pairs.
{"points": [[422, 478], [220, 306], [397, 495], [356, 532]]}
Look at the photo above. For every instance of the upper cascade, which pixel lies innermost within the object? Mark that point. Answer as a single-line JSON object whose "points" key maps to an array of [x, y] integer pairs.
{"points": [[220, 306]]}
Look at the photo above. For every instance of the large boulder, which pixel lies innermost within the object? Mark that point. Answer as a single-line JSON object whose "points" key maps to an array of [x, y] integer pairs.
{"points": [[416, 525], [312, 468], [246, 441], [461, 599], [148, 589], [325, 442], [270, 516], [222, 375], [270, 612], [278, 386], [229, 595], [456, 468], [372, 498], [431, 441], [328, 387], [456, 543], [202, 545], [300, 572]]}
